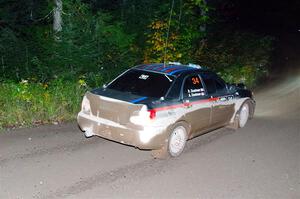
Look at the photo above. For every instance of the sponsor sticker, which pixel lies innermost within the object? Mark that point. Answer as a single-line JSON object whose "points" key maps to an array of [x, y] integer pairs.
{"points": [[144, 77]]}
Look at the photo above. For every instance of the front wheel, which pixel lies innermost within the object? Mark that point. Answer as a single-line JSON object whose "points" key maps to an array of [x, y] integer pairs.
{"points": [[243, 115]]}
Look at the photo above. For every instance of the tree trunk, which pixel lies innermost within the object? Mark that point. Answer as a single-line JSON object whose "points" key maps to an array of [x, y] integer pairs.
{"points": [[123, 7], [57, 19], [203, 13]]}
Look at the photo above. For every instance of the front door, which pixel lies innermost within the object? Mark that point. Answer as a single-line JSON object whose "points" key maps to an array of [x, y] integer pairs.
{"points": [[196, 104], [222, 103]]}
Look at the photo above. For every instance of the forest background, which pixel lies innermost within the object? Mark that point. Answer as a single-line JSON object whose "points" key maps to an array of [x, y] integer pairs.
{"points": [[52, 52]]}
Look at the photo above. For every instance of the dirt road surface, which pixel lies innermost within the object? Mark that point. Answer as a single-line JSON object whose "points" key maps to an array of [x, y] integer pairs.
{"points": [[261, 160]]}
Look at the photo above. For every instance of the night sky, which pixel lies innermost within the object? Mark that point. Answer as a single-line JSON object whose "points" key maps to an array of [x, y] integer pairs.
{"points": [[279, 19], [272, 17]]}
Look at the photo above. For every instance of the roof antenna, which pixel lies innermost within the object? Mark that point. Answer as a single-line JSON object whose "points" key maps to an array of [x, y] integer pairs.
{"points": [[167, 39]]}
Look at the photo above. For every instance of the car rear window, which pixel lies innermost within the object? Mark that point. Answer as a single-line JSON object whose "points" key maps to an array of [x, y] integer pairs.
{"points": [[142, 83]]}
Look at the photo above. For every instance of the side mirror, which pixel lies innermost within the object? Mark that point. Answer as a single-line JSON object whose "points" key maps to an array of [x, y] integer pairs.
{"points": [[231, 87]]}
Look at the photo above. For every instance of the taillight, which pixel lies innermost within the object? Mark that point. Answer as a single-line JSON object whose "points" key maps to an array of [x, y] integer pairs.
{"points": [[143, 117], [85, 106], [152, 114]]}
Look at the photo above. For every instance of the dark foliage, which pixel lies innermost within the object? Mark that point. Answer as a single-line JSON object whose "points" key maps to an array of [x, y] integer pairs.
{"points": [[44, 73]]}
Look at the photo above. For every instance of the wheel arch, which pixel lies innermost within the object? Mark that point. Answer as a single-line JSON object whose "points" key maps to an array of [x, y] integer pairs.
{"points": [[184, 123], [252, 104]]}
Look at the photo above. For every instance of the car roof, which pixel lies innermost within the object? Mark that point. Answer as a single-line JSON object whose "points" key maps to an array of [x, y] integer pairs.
{"points": [[169, 69]]}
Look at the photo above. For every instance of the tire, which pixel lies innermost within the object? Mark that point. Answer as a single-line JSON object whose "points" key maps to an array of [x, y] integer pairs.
{"points": [[177, 141], [175, 145], [243, 115]]}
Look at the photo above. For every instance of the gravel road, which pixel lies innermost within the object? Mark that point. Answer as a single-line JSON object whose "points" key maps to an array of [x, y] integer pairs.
{"points": [[261, 160]]}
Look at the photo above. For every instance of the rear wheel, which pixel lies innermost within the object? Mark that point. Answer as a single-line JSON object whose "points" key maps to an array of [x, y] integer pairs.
{"points": [[175, 145], [177, 141]]}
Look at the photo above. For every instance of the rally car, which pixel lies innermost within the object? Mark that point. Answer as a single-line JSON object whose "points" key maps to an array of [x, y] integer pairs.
{"points": [[160, 106]]}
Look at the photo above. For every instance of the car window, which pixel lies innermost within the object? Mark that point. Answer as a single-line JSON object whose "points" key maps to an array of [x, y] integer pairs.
{"points": [[214, 84], [142, 83], [210, 85], [220, 86], [193, 87]]}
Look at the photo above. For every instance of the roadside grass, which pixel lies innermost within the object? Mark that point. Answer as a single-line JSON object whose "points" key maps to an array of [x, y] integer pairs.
{"points": [[28, 103]]}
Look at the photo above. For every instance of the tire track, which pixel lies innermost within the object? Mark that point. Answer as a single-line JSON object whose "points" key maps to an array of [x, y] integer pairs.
{"points": [[144, 169], [69, 147]]}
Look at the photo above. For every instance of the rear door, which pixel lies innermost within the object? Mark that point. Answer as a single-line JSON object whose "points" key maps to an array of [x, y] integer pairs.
{"points": [[222, 103], [197, 107]]}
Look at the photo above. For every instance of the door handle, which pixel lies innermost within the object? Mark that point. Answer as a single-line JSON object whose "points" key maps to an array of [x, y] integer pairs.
{"points": [[213, 99]]}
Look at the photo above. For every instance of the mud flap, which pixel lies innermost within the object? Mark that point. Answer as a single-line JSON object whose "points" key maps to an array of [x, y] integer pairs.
{"points": [[161, 154], [235, 124]]}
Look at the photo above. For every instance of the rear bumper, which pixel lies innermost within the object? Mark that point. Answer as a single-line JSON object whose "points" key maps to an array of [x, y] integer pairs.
{"points": [[141, 137]]}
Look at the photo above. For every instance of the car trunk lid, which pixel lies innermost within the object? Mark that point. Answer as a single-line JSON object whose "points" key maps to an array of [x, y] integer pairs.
{"points": [[112, 109]]}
